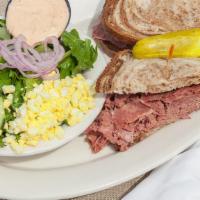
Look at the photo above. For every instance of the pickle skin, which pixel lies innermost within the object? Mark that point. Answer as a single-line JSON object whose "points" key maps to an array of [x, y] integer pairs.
{"points": [[186, 45]]}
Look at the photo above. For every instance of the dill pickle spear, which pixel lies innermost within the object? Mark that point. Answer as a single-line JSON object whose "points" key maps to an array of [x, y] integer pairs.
{"points": [[185, 44]]}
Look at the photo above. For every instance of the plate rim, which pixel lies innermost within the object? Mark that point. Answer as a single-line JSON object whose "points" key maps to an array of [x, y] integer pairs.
{"points": [[105, 183]]}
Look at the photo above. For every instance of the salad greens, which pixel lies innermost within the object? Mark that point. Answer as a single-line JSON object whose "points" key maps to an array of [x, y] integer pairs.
{"points": [[67, 67], [4, 35], [22, 84], [80, 54], [2, 112]]}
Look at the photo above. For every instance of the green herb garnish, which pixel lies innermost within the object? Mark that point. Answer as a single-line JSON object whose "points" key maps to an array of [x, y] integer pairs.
{"points": [[1, 141], [80, 54], [4, 35]]}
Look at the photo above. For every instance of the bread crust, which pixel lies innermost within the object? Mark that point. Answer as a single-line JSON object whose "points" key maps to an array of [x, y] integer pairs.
{"points": [[126, 75], [126, 22], [111, 27], [104, 82], [185, 16], [148, 29]]}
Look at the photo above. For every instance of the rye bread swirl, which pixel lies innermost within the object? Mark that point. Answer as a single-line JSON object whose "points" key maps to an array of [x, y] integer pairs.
{"points": [[132, 20], [126, 75]]}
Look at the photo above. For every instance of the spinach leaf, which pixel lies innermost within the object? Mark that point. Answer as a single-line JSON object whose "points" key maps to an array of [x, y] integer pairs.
{"points": [[75, 33], [66, 67], [9, 77], [5, 78], [2, 61], [14, 75], [22, 84], [29, 83], [81, 50], [8, 115], [2, 22], [18, 94], [18, 136], [1, 141], [4, 35]]}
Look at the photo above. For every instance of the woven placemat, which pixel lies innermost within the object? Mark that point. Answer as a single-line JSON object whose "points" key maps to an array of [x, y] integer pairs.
{"points": [[114, 193]]}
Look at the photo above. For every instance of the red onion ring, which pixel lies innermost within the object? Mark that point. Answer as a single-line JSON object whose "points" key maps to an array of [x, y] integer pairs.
{"points": [[18, 54]]}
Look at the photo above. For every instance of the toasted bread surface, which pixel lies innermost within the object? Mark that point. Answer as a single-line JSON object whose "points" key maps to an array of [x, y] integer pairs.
{"points": [[126, 75], [132, 20], [104, 82], [112, 26], [139, 24]]}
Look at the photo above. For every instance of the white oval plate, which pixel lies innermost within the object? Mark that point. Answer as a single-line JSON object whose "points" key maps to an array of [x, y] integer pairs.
{"points": [[70, 132], [73, 170]]}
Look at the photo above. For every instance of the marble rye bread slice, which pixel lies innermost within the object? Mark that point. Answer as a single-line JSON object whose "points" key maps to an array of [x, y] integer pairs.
{"points": [[131, 20], [126, 75]]}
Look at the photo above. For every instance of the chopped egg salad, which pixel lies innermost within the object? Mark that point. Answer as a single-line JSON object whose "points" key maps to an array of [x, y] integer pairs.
{"points": [[45, 109]]}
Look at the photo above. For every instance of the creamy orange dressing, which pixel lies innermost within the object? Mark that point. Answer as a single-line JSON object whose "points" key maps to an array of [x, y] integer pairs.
{"points": [[37, 19]]}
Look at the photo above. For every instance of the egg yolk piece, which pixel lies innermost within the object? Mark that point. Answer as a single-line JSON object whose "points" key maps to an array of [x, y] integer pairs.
{"points": [[47, 107]]}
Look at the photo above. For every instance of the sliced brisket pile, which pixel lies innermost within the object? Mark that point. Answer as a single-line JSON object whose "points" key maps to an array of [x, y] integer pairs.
{"points": [[128, 119]]}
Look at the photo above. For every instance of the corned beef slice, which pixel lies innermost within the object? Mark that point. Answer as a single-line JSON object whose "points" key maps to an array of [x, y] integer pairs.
{"points": [[100, 33], [128, 119]]}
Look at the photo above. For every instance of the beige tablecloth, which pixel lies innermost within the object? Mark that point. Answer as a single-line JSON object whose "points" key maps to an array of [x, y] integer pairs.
{"points": [[114, 193]]}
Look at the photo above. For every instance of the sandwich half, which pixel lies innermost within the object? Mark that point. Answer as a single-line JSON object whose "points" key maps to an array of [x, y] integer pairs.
{"points": [[125, 21], [125, 75], [143, 96]]}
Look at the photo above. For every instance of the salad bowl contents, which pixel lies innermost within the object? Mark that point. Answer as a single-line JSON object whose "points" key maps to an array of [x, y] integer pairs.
{"points": [[43, 92]]}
